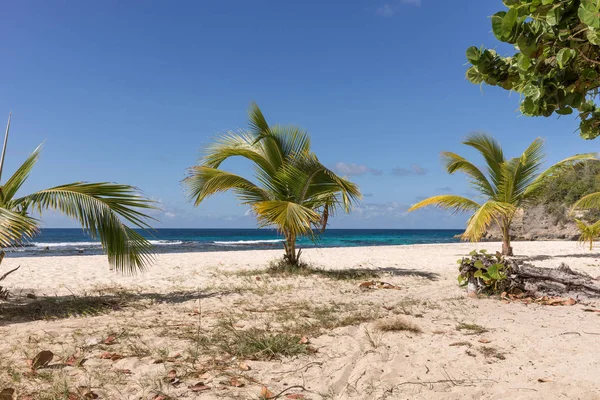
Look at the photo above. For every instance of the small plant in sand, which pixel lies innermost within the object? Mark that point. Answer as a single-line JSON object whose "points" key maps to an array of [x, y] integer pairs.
{"points": [[589, 233], [295, 192], [102, 209], [483, 272]]}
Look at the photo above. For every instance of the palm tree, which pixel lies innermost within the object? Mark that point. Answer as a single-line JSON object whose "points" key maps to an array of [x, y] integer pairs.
{"points": [[589, 233], [102, 209], [294, 191], [509, 184]]}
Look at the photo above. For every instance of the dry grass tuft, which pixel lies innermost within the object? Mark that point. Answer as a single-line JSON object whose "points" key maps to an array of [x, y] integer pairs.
{"points": [[397, 324]]}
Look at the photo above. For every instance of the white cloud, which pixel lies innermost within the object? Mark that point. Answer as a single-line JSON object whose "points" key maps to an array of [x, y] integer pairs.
{"points": [[374, 210], [352, 169], [413, 170]]}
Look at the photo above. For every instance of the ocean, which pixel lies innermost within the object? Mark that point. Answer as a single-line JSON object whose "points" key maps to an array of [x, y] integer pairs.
{"points": [[55, 242]]}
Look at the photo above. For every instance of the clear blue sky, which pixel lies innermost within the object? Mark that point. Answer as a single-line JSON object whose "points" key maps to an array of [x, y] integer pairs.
{"points": [[131, 91]]}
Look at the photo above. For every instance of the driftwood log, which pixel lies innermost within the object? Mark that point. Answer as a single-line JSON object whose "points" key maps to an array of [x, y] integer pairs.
{"points": [[561, 281]]}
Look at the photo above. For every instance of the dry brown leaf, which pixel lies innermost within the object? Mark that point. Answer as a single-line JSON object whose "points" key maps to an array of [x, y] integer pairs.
{"points": [[591, 310], [235, 382], [160, 397], [7, 394], [544, 380], [244, 367], [265, 393], [570, 302], [484, 340], [110, 340], [198, 387], [42, 359], [110, 356]]}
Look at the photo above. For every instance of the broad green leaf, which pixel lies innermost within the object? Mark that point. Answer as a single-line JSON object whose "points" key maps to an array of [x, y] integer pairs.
{"points": [[565, 56], [564, 111], [532, 92], [589, 13], [478, 264], [473, 55], [474, 76]]}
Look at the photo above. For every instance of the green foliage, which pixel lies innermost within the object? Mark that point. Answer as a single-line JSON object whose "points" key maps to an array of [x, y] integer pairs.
{"points": [[489, 271], [589, 233], [561, 192], [294, 191], [509, 184], [102, 209], [556, 67]]}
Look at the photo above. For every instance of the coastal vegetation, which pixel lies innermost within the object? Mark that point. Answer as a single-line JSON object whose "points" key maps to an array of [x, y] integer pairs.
{"points": [[556, 67], [509, 184], [294, 192], [103, 210], [589, 232]]}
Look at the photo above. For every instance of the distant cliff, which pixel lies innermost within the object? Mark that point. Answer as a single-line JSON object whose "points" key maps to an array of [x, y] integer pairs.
{"points": [[536, 223]]}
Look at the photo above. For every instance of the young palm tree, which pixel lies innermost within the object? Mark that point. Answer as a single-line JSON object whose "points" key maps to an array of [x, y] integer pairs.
{"points": [[510, 184], [589, 233], [294, 191], [101, 208]]}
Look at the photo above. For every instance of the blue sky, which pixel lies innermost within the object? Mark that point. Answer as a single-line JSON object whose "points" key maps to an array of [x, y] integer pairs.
{"points": [[131, 91]]}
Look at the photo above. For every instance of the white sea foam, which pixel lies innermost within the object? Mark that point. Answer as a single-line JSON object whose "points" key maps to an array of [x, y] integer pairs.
{"points": [[247, 242]]}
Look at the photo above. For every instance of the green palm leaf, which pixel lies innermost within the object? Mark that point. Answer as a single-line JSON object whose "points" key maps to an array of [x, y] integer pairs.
{"points": [[480, 221], [98, 207], [447, 202]]}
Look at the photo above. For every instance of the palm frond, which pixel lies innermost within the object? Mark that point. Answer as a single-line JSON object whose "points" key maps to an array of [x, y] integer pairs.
{"points": [[453, 162], [555, 169], [481, 220], [203, 182], [447, 202], [491, 151], [288, 216], [236, 144], [14, 183], [16, 228], [97, 207], [591, 201]]}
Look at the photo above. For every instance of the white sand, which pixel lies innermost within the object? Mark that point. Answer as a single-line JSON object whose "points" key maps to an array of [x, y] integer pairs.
{"points": [[557, 345]]}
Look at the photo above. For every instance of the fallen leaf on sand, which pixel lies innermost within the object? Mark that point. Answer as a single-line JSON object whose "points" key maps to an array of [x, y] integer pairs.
{"points": [[110, 340], [484, 340], [235, 382], [265, 393], [294, 396], [110, 356], [544, 380], [198, 387], [244, 367], [591, 310], [42, 359]]}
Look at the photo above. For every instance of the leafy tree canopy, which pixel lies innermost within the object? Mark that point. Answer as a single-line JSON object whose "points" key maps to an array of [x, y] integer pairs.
{"points": [[557, 64]]}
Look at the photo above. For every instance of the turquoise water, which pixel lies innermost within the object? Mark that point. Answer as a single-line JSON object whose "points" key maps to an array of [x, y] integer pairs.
{"points": [[73, 241]]}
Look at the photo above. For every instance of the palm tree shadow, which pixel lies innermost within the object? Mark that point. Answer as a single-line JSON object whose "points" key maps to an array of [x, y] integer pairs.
{"points": [[22, 309], [432, 276]]}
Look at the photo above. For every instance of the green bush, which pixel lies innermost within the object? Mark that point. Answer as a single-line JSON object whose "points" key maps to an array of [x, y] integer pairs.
{"points": [[488, 272]]}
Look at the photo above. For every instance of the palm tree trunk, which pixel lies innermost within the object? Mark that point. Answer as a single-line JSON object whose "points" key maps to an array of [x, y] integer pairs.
{"points": [[507, 250], [290, 249]]}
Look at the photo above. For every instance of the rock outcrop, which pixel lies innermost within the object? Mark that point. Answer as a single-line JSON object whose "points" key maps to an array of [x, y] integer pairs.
{"points": [[536, 223]]}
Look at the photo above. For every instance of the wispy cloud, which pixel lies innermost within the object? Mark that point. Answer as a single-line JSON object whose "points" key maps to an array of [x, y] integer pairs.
{"points": [[413, 170], [390, 9], [374, 210], [352, 169]]}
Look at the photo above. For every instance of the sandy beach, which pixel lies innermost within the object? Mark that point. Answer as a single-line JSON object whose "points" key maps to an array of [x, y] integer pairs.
{"points": [[171, 318]]}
